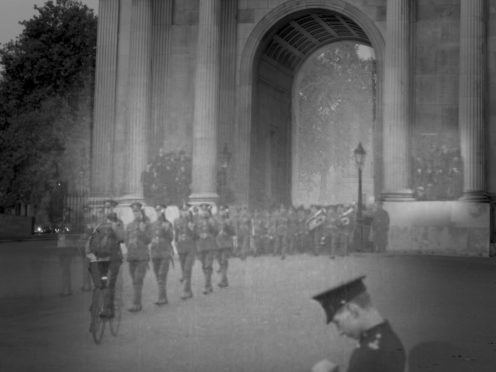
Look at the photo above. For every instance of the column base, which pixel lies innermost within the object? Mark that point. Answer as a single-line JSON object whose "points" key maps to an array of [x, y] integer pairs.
{"points": [[475, 196], [204, 198], [398, 196]]}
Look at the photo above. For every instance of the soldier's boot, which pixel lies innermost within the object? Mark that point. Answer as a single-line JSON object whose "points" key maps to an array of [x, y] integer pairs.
{"points": [[187, 289], [162, 295], [208, 282], [137, 299]]}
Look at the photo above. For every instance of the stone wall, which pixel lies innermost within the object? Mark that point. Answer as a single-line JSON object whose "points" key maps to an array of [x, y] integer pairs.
{"points": [[441, 228]]}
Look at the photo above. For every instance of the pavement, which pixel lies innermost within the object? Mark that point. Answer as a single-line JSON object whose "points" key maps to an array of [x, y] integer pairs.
{"points": [[442, 308]]}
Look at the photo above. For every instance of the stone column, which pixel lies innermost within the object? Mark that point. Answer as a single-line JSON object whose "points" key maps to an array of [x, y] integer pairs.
{"points": [[206, 104], [227, 80], [396, 130], [122, 94], [472, 98], [162, 22], [104, 107], [139, 95]]}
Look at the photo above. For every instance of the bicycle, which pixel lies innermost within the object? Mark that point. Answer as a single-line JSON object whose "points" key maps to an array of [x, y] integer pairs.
{"points": [[98, 324]]}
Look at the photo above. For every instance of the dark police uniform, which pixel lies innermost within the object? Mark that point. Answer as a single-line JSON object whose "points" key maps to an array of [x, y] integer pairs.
{"points": [[379, 350]]}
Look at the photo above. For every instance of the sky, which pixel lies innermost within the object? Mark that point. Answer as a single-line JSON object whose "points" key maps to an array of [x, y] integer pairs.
{"points": [[14, 11]]}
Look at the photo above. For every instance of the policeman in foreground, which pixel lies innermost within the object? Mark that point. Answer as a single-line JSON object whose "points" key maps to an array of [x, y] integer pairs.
{"points": [[348, 306]]}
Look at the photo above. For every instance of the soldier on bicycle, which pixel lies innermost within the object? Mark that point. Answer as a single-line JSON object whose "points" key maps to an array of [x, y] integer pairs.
{"points": [[105, 257]]}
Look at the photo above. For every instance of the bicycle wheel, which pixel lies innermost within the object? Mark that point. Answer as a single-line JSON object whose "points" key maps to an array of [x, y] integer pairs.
{"points": [[115, 322], [97, 323]]}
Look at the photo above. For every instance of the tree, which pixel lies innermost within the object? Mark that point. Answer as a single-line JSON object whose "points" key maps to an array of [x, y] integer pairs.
{"points": [[47, 74], [335, 98]]}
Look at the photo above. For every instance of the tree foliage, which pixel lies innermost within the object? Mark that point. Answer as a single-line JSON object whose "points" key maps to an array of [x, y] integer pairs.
{"points": [[45, 72], [335, 98]]}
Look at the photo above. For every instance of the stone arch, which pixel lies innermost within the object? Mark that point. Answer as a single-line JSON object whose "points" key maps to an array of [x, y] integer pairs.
{"points": [[245, 76]]}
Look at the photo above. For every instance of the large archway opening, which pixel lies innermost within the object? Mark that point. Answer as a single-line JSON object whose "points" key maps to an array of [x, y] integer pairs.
{"points": [[333, 111], [274, 149]]}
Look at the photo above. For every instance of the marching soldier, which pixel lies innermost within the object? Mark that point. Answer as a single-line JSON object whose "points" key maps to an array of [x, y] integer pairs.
{"points": [[291, 229], [282, 222], [271, 223], [315, 228], [161, 251], [137, 239], [300, 230], [90, 224], [348, 306], [329, 228], [105, 258], [258, 230], [206, 244], [380, 227], [186, 248], [224, 243], [340, 241], [244, 232]]}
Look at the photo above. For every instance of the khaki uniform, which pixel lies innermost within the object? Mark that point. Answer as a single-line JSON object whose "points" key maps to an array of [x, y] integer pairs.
{"points": [[186, 249], [244, 232], [224, 241], [282, 232], [137, 240], [206, 246], [161, 254]]}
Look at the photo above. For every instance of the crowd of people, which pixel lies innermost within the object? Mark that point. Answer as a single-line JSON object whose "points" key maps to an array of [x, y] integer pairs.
{"points": [[437, 174], [167, 178], [211, 234]]}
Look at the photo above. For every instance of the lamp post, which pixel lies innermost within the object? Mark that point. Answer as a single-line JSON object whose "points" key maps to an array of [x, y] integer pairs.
{"points": [[359, 154], [225, 159]]}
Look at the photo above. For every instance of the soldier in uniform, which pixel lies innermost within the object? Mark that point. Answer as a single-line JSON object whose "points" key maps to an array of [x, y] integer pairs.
{"points": [[329, 227], [161, 251], [380, 227], [224, 243], [105, 259], [206, 244], [300, 230], [258, 230], [340, 240], [186, 248], [282, 225], [271, 223], [108, 207], [89, 226], [138, 237], [348, 306], [244, 232]]}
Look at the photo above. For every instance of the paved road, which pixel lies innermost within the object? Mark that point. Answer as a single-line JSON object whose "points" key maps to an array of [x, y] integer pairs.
{"points": [[442, 308]]}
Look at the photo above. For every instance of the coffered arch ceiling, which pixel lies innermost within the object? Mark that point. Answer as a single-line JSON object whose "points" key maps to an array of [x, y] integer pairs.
{"points": [[293, 39]]}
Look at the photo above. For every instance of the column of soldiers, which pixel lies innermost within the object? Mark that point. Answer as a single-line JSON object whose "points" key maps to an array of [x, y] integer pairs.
{"points": [[199, 234], [317, 230], [196, 234]]}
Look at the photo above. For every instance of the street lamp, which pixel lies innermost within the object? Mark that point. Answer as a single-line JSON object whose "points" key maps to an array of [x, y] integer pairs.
{"points": [[360, 154]]}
